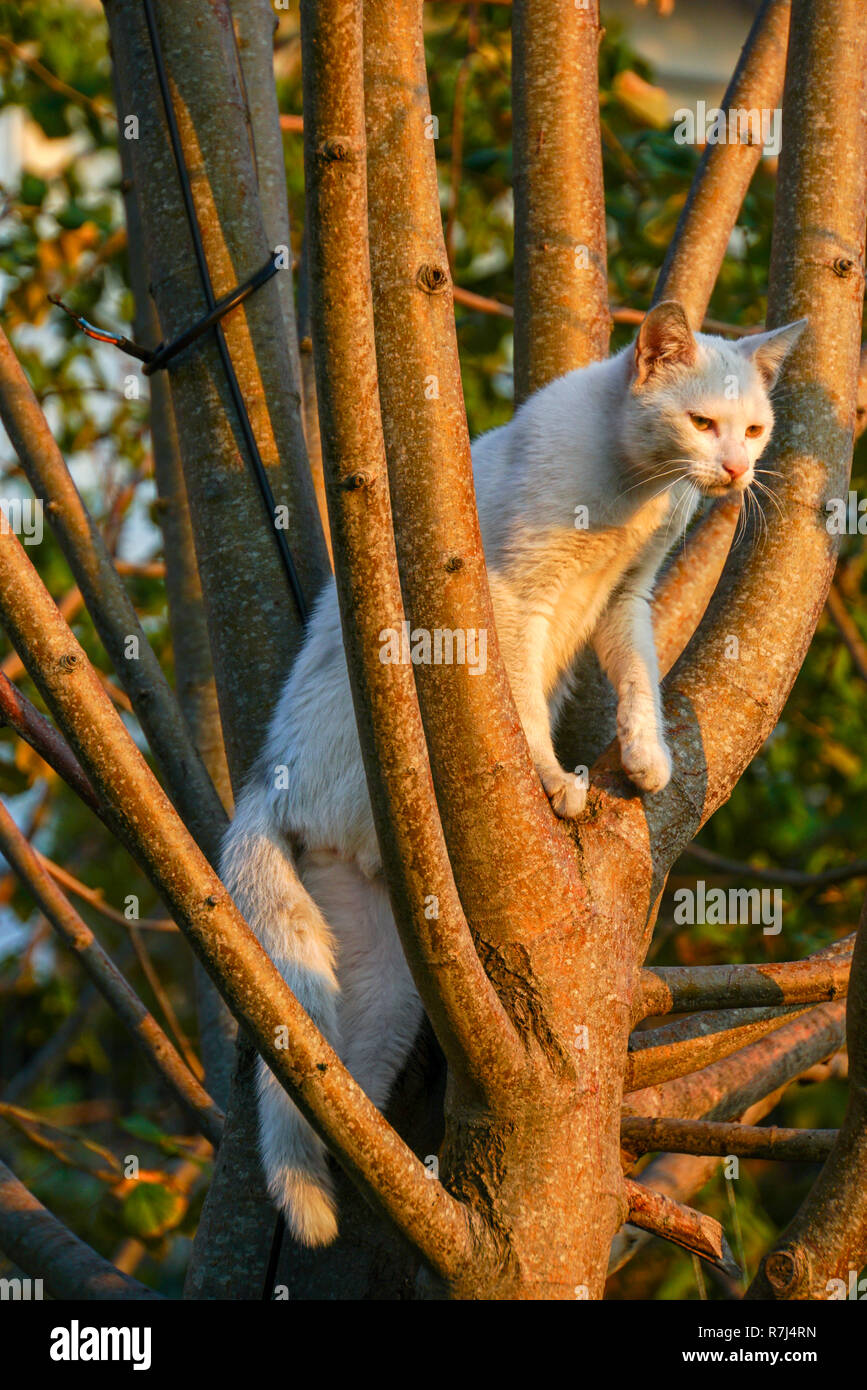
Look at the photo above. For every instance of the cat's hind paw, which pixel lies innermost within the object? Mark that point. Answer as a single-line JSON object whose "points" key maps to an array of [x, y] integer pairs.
{"points": [[565, 790], [647, 763]]}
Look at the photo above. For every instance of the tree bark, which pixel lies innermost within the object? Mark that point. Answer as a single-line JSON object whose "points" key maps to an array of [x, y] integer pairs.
{"points": [[252, 620], [827, 1239], [701, 237], [44, 1248], [531, 918], [562, 319], [251, 617], [191, 647], [681, 989]]}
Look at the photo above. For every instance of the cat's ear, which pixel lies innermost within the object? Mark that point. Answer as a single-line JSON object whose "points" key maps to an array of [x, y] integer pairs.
{"points": [[664, 338], [769, 350]]}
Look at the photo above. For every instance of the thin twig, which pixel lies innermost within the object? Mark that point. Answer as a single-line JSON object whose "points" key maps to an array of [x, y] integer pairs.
{"points": [[94, 897], [641, 1134], [855, 645], [54, 82], [162, 998], [794, 878]]}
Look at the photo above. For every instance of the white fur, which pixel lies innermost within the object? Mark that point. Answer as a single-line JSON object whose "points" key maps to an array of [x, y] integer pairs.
{"points": [[301, 856]]}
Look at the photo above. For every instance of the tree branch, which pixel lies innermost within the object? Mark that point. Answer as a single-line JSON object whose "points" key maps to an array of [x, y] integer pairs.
{"points": [[309, 402], [683, 1226], [191, 646], [372, 1154], [848, 630], [108, 604], [733, 868], [255, 23], [475, 1033], [701, 237], [676, 1049], [111, 984], [828, 1236], [561, 277], [19, 714], [554, 953], [94, 897], [44, 1248], [640, 1135], [514, 869], [726, 1088], [669, 989], [679, 1176], [252, 621]]}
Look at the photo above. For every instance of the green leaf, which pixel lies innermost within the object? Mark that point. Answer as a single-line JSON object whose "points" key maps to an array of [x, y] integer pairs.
{"points": [[32, 190], [152, 1209]]}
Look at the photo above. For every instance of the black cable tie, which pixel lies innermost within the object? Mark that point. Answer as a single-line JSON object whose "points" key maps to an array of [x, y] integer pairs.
{"points": [[163, 354], [157, 358], [207, 285]]}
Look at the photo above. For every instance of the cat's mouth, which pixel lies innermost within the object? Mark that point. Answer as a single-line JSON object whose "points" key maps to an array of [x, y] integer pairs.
{"points": [[724, 486]]}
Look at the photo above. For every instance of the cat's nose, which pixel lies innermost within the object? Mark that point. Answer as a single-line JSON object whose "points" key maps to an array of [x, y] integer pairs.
{"points": [[735, 463]]}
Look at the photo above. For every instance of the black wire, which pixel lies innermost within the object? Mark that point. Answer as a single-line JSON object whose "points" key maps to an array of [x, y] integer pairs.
{"points": [[162, 355], [258, 468], [274, 1258], [234, 387], [155, 359]]}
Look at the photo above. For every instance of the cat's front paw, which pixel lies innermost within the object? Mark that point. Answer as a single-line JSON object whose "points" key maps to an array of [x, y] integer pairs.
{"points": [[565, 790], [647, 762]]}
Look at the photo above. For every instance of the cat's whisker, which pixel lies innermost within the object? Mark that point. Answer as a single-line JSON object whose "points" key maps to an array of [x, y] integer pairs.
{"points": [[760, 511], [746, 515], [648, 481], [740, 529], [674, 511], [686, 497], [666, 465], [694, 497], [766, 491], [665, 488]]}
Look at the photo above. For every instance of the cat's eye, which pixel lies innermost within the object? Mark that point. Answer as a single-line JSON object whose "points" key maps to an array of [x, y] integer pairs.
{"points": [[701, 422], [753, 431]]}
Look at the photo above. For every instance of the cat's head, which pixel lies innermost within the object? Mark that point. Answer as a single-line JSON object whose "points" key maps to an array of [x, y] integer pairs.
{"points": [[698, 405]]}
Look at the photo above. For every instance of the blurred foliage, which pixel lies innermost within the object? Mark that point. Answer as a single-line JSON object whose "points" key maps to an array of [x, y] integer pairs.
{"points": [[83, 1121]]}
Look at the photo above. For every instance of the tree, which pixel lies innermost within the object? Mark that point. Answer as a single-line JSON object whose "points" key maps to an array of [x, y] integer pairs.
{"points": [[532, 967]]}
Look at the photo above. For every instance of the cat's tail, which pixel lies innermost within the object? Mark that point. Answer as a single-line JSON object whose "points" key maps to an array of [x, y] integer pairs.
{"points": [[257, 867]]}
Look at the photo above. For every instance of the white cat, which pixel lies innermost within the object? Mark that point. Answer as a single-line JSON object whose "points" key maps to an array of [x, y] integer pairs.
{"points": [[579, 497]]}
